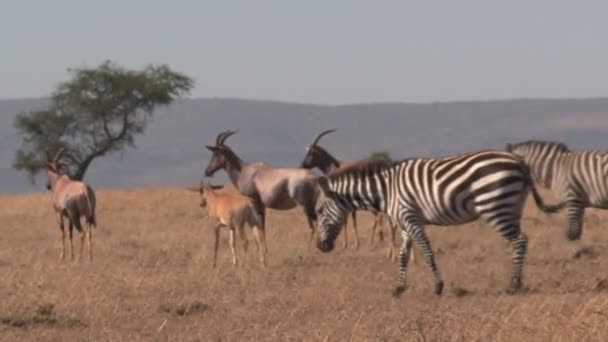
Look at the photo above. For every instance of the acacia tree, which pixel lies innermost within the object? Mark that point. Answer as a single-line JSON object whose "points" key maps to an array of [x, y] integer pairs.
{"points": [[380, 156], [98, 111]]}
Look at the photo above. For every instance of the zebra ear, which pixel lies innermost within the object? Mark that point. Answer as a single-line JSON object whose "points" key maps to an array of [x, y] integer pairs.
{"points": [[509, 147], [323, 182]]}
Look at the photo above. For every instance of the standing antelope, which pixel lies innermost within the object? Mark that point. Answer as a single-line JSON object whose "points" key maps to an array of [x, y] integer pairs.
{"points": [[232, 211], [492, 185], [71, 200], [317, 156], [268, 187]]}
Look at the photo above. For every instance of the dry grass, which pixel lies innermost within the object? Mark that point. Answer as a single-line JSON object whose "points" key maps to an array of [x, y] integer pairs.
{"points": [[151, 280]]}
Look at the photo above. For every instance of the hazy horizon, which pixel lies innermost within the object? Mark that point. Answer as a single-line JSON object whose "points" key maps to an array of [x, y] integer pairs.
{"points": [[340, 52]]}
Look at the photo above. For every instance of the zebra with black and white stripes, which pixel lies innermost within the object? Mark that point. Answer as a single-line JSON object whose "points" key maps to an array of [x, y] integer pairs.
{"points": [[577, 178], [444, 191]]}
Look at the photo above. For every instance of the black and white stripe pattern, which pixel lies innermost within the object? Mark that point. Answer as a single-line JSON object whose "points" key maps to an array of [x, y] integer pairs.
{"points": [[447, 191], [578, 178]]}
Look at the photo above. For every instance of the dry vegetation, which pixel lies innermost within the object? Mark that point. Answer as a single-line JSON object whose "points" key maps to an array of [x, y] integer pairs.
{"points": [[151, 279]]}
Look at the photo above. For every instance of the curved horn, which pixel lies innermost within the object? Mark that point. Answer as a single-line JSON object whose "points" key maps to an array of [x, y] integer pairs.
{"points": [[322, 134], [226, 135], [220, 136], [58, 155]]}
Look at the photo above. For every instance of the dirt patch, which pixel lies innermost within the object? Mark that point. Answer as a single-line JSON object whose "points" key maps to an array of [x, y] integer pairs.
{"points": [[184, 309], [43, 314]]}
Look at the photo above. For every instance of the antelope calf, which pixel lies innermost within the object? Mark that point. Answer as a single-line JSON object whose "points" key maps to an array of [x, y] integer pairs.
{"points": [[232, 210], [71, 200]]}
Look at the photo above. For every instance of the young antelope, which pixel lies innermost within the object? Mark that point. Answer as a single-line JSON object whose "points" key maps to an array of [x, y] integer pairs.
{"points": [[232, 210]]}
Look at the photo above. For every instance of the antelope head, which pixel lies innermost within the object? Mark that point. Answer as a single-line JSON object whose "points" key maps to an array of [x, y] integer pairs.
{"points": [[317, 156], [204, 189], [221, 153], [53, 165]]}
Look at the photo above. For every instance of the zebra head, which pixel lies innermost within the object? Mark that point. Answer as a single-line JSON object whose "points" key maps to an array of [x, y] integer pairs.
{"points": [[331, 216]]}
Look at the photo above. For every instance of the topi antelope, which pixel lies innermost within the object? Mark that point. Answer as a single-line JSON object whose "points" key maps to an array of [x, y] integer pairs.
{"points": [[268, 187], [317, 156], [232, 210], [71, 200]]}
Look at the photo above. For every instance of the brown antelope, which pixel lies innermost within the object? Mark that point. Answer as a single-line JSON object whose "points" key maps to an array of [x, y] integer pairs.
{"points": [[268, 187], [232, 210], [317, 156], [71, 200]]}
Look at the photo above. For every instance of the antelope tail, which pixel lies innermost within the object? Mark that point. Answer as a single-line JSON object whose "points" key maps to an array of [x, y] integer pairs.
{"points": [[90, 211], [73, 213]]}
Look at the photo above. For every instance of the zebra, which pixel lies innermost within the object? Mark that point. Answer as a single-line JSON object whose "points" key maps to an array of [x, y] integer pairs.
{"points": [[414, 192], [578, 178]]}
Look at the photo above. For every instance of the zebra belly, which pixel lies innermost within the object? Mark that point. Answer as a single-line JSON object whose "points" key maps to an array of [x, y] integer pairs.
{"points": [[445, 220]]}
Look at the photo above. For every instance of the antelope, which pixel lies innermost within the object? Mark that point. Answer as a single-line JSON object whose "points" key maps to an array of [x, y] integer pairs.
{"points": [[71, 199], [317, 156], [268, 187], [233, 211]]}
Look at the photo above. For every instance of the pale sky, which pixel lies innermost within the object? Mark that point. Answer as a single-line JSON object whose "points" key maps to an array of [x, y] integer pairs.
{"points": [[317, 51]]}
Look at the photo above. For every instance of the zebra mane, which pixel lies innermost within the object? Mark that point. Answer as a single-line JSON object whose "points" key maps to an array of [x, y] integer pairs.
{"points": [[363, 166], [557, 145]]}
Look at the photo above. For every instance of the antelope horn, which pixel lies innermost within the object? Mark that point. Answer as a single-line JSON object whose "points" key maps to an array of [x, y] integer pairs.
{"points": [[48, 155], [220, 136], [58, 155], [321, 135], [226, 135]]}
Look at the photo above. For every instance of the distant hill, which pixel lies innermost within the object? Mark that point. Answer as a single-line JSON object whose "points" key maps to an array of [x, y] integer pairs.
{"points": [[172, 151]]}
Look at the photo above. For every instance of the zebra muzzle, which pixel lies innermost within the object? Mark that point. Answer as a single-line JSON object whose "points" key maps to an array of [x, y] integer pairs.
{"points": [[325, 246]]}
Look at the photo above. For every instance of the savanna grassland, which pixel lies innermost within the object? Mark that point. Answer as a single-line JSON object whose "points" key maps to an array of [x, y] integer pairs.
{"points": [[151, 280]]}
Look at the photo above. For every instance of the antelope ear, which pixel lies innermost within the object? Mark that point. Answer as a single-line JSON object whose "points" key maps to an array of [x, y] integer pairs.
{"points": [[216, 187], [211, 148], [323, 182]]}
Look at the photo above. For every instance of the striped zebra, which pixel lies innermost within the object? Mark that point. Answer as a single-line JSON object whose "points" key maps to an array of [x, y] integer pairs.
{"points": [[577, 178], [444, 191]]}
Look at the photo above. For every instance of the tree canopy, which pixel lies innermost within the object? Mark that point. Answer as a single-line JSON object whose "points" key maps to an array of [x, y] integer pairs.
{"points": [[380, 156], [98, 111]]}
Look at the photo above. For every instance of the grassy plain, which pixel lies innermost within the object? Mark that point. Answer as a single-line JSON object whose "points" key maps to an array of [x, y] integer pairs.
{"points": [[151, 280]]}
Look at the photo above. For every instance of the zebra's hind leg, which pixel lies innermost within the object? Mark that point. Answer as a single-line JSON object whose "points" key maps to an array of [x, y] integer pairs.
{"points": [[510, 230], [574, 230], [520, 246]]}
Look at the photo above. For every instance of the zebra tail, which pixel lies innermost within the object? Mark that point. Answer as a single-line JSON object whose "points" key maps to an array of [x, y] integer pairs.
{"points": [[540, 203]]}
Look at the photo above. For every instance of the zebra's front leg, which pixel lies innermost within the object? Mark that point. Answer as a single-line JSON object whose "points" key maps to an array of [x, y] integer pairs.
{"points": [[424, 246], [404, 258]]}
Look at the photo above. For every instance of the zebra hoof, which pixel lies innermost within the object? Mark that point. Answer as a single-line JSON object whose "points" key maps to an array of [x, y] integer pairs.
{"points": [[439, 288], [398, 291], [573, 235], [514, 287]]}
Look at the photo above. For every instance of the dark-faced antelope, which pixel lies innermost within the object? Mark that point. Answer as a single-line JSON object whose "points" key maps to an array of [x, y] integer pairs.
{"points": [[317, 156], [71, 200], [268, 187], [232, 210]]}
